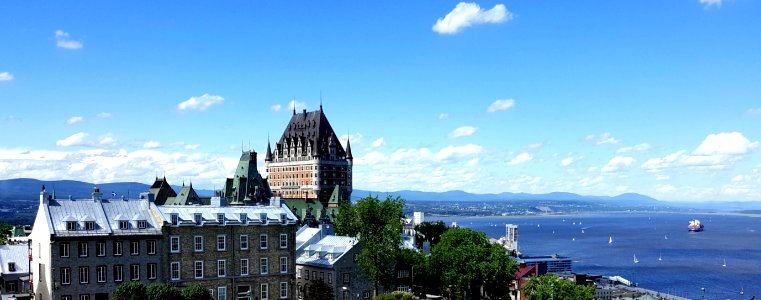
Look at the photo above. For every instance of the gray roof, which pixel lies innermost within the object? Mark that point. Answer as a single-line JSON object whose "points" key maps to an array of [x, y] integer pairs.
{"points": [[106, 215], [325, 252], [232, 214], [306, 236], [18, 254]]}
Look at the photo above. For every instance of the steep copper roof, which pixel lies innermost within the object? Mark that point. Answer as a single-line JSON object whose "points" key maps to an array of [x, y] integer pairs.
{"points": [[311, 129]]}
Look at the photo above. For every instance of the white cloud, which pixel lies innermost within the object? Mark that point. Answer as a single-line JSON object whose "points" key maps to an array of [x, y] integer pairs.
{"points": [[276, 108], [521, 158], [644, 147], [665, 188], [77, 139], [725, 143], [104, 115], [468, 14], [75, 120], [297, 105], [443, 116], [6, 76], [201, 102], [590, 181], [501, 105], [192, 146], [717, 151], [709, 3], [107, 140], [356, 138], [618, 163], [63, 41], [605, 138], [463, 131], [567, 161], [151, 144], [379, 142]]}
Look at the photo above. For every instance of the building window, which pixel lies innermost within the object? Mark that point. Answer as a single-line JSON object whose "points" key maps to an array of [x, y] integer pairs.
{"points": [[197, 218], [118, 273], [152, 271], [134, 248], [222, 293], [118, 248], [175, 270], [89, 225], [403, 274], [11, 267], [306, 274], [300, 291], [263, 291], [221, 219], [65, 275], [100, 248], [347, 278], [84, 297], [244, 266], [199, 269], [243, 218], [84, 275], [221, 242], [322, 276], [221, 268], [314, 275], [284, 264], [283, 241], [174, 244], [100, 273], [283, 290], [83, 249], [71, 226], [366, 295], [142, 224], [263, 265], [123, 225], [263, 241], [65, 297], [175, 219], [198, 243], [151, 247], [330, 278], [134, 272], [243, 242], [63, 249]]}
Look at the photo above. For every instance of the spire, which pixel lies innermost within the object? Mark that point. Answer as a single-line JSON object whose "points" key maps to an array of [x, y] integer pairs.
{"points": [[268, 156], [348, 148], [320, 101], [294, 105]]}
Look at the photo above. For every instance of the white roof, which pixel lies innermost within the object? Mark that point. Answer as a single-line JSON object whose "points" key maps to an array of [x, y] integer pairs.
{"points": [[17, 254], [232, 214], [326, 251], [105, 213]]}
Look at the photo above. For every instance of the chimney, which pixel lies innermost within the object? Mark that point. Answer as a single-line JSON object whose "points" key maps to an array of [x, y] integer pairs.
{"points": [[96, 194], [43, 196]]}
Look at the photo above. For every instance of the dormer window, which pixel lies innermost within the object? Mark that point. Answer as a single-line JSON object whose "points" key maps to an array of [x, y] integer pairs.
{"points": [[197, 218], [263, 218], [89, 225], [221, 218], [283, 218], [243, 218], [71, 225], [123, 225], [329, 256], [11, 267], [175, 219], [142, 224]]}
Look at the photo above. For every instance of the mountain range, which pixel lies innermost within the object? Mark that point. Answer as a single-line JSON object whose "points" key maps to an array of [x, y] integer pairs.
{"points": [[25, 188]]}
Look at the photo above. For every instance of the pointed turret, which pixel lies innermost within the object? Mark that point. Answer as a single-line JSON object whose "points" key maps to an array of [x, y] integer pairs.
{"points": [[268, 156], [348, 149]]}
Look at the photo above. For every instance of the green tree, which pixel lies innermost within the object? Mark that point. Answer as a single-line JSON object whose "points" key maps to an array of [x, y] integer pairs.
{"points": [[196, 292], [467, 263], [163, 291], [378, 226], [429, 232], [396, 296], [550, 286], [319, 290], [132, 290], [5, 232]]}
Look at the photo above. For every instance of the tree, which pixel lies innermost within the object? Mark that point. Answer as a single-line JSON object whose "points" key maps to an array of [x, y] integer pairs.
{"points": [[429, 232], [378, 226], [196, 292], [468, 263], [163, 291], [132, 290], [319, 290], [550, 286], [5, 233], [396, 295]]}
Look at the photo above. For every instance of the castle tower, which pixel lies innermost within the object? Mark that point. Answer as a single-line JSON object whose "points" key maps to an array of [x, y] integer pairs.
{"points": [[308, 161]]}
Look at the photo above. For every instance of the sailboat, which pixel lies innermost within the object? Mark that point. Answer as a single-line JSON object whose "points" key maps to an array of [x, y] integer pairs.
{"points": [[610, 240], [665, 237], [582, 230], [725, 263], [660, 257], [635, 259]]}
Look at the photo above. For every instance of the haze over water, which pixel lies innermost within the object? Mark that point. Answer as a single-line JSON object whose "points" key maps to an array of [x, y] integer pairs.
{"points": [[688, 262]]}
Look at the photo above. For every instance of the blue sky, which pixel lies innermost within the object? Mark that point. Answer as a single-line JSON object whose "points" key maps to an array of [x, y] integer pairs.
{"points": [[594, 97]]}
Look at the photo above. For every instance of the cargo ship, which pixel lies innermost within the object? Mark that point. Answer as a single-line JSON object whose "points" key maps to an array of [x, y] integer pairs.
{"points": [[695, 225]]}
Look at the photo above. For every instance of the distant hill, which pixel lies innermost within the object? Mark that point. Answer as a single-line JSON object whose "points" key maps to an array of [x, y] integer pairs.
{"points": [[25, 188], [628, 198], [29, 189]]}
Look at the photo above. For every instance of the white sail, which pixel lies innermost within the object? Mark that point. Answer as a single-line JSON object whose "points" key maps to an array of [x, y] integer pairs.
{"points": [[610, 240], [635, 259]]}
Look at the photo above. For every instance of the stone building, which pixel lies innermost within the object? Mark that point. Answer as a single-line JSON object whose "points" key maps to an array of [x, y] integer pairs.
{"points": [[237, 252], [14, 271], [309, 162], [82, 249]]}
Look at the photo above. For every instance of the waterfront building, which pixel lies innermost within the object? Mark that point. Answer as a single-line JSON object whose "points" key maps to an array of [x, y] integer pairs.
{"points": [[332, 260], [511, 238], [548, 263], [14, 271], [237, 252], [308, 161], [83, 248]]}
